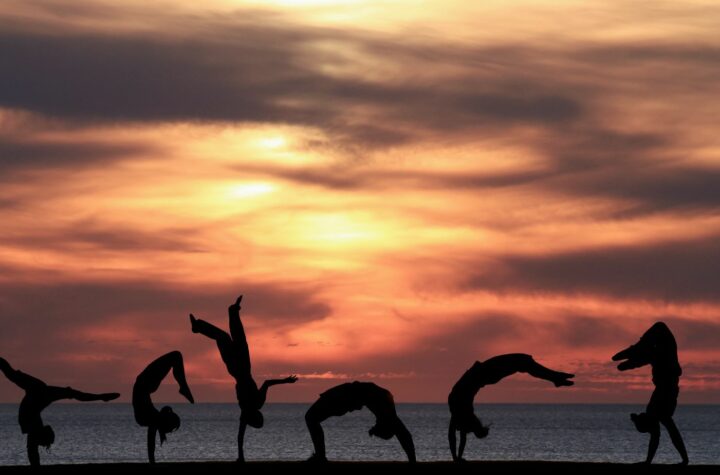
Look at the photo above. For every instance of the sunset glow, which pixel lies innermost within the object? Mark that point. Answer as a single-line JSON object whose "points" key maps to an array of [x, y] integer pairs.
{"points": [[398, 189]]}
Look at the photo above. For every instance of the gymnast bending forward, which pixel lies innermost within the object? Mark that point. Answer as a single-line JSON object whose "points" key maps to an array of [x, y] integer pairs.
{"points": [[165, 420], [484, 373], [657, 348], [38, 396]]}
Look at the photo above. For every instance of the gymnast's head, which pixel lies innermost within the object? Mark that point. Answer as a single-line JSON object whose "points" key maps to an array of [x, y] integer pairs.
{"points": [[644, 422], [253, 418], [168, 422], [384, 430], [476, 427], [45, 437]]}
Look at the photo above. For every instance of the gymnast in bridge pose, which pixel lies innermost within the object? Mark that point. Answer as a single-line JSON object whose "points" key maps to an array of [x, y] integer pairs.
{"points": [[657, 347], [347, 397], [38, 396], [235, 354], [484, 373], [165, 420]]}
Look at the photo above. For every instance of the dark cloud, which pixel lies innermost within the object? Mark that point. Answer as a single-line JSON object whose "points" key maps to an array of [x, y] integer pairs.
{"points": [[655, 52], [36, 154], [670, 271], [49, 313], [584, 343], [695, 334], [651, 189], [264, 70], [593, 163], [364, 178], [582, 332], [93, 235], [260, 67]]}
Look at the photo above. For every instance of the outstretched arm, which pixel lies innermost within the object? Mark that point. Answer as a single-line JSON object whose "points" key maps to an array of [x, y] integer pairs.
{"points": [[461, 447], [405, 438], [272, 382], [654, 442], [151, 433], [32, 451], [57, 393], [452, 440], [655, 338], [241, 441]]}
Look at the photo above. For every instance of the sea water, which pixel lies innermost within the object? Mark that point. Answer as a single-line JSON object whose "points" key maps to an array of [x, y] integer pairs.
{"points": [[96, 433]]}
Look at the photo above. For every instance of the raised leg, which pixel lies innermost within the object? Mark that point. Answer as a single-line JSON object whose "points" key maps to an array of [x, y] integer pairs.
{"points": [[502, 366], [526, 364], [22, 380], [178, 368], [57, 393], [208, 329], [224, 343], [237, 333]]}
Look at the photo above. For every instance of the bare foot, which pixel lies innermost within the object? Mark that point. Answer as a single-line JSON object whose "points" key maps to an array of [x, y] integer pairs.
{"points": [[188, 395], [564, 380]]}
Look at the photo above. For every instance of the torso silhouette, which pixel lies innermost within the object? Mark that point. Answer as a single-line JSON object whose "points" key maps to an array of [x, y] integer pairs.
{"points": [[36, 399], [481, 374], [666, 370], [145, 412], [354, 396], [247, 393]]}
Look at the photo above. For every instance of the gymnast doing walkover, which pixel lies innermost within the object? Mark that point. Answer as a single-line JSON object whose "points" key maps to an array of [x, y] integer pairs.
{"points": [[165, 420], [235, 354], [348, 397], [484, 373], [657, 348], [38, 396]]}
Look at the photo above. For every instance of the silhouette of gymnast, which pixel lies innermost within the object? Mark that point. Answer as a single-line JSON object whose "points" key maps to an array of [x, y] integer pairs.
{"points": [[460, 400], [348, 397], [657, 348], [236, 356], [38, 396], [165, 420]]}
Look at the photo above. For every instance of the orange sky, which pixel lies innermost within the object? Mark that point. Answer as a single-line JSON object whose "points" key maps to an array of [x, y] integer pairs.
{"points": [[398, 188]]}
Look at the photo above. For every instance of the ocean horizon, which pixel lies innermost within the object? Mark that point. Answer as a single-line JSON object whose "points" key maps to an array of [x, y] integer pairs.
{"points": [[107, 433]]}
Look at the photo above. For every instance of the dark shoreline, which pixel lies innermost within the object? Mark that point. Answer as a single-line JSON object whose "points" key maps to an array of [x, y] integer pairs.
{"points": [[352, 468]]}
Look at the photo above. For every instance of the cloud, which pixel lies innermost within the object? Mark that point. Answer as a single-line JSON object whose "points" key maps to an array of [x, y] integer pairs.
{"points": [[49, 314], [368, 179], [95, 235], [261, 67], [28, 152], [658, 188], [695, 335], [35, 154], [670, 271], [257, 69]]}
